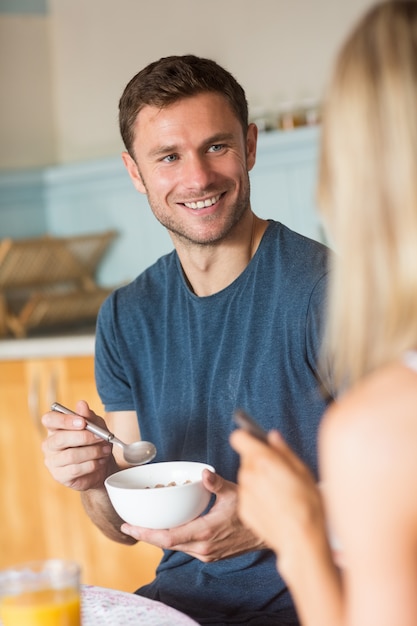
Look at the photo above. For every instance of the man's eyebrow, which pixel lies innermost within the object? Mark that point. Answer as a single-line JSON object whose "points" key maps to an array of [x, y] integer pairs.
{"points": [[219, 138], [174, 148], [163, 150]]}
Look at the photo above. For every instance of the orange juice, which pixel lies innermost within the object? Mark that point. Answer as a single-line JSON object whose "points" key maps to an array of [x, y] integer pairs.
{"points": [[48, 607]]}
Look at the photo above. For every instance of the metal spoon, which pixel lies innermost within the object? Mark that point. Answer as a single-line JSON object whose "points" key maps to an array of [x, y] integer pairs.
{"points": [[137, 453]]}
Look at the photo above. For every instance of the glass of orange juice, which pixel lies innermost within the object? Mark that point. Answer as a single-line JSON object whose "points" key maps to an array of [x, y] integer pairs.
{"points": [[41, 593]]}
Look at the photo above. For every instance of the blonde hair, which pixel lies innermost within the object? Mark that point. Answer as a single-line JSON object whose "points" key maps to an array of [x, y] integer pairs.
{"points": [[367, 192]]}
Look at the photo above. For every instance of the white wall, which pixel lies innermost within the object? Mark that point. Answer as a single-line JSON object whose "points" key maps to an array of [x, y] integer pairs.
{"points": [[27, 127], [63, 73]]}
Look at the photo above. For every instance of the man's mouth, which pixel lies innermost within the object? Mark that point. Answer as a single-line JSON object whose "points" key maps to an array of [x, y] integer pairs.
{"points": [[202, 204]]}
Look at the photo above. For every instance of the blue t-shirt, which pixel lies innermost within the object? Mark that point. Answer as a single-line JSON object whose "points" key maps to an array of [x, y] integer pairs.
{"points": [[184, 363]]}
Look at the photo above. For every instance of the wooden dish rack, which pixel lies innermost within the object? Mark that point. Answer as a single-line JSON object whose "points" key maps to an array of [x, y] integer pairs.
{"points": [[50, 281]]}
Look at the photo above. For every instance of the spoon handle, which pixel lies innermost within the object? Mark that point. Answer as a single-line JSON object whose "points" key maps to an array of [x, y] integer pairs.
{"points": [[93, 428]]}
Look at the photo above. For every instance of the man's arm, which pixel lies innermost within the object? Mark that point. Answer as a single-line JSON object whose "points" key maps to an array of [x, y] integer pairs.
{"points": [[80, 460]]}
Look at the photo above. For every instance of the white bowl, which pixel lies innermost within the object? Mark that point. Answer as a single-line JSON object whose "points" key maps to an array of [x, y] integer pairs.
{"points": [[137, 499]]}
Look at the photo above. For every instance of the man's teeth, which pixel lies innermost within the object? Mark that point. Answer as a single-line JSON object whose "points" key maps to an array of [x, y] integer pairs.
{"points": [[202, 204]]}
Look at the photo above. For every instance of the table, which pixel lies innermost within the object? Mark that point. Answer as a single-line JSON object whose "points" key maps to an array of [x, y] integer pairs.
{"points": [[108, 607]]}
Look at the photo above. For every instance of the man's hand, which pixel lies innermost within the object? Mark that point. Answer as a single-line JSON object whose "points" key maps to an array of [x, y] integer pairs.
{"points": [[217, 535], [75, 457]]}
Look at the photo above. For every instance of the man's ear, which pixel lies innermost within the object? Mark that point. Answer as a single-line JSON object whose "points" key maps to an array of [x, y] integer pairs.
{"points": [[132, 170], [251, 143]]}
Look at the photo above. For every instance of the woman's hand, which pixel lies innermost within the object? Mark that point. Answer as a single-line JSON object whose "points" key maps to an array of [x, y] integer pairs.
{"points": [[278, 497]]}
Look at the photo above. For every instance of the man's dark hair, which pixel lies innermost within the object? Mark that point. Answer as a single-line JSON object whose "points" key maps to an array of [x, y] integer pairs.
{"points": [[172, 78]]}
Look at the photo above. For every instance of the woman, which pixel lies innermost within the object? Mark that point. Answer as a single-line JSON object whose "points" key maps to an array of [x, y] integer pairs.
{"points": [[368, 439]]}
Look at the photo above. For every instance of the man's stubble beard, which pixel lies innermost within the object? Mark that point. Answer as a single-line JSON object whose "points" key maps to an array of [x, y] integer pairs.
{"points": [[235, 214]]}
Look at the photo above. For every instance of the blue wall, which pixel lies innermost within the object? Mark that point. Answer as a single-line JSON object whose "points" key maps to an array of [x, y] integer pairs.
{"points": [[33, 7], [97, 196]]}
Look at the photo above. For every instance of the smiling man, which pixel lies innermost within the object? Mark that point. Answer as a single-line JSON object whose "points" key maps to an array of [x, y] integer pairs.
{"points": [[231, 318]]}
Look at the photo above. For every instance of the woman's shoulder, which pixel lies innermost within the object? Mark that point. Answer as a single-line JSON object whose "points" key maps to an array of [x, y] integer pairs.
{"points": [[391, 389], [373, 427], [368, 466]]}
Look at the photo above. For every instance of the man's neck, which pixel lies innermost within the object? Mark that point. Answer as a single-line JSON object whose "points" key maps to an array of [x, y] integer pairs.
{"points": [[209, 269]]}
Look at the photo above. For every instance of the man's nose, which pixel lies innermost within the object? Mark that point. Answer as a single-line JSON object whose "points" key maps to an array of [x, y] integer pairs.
{"points": [[196, 172]]}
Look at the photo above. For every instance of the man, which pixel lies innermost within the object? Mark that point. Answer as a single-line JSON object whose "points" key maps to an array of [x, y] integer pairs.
{"points": [[230, 318]]}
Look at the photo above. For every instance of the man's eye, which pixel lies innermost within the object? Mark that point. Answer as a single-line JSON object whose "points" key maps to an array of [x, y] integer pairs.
{"points": [[170, 158], [217, 147]]}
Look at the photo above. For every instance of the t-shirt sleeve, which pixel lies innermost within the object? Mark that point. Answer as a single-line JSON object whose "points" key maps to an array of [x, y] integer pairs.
{"points": [[315, 326], [111, 379]]}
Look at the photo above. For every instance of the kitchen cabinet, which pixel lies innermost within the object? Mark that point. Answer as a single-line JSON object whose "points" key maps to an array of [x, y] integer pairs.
{"points": [[40, 518]]}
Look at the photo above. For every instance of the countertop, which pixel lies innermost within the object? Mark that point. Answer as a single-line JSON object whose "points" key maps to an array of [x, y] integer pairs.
{"points": [[49, 346]]}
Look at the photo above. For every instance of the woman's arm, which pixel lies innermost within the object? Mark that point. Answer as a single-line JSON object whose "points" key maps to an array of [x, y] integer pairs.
{"points": [[368, 452], [280, 501]]}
